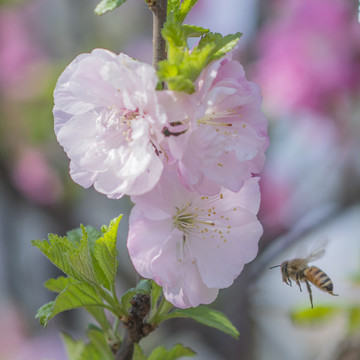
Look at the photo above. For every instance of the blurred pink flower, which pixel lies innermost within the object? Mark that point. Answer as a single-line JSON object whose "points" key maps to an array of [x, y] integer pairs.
{"points": [[305, 56], [193, 245], [17, 50], [109, 121], [225, 140], [16, 344], [35, 179]]}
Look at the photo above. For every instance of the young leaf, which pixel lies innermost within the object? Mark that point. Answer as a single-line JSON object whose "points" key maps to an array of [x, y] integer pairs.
{"points": [[207, 316], [173, 6], [73, 348], [125, 299], [222, 44], [81, 260], [107, 5], [317, 315], [57, 249], [44, 312], [160, 353], [59, 284], [184, 10], [106, 254], [138, 353], [74, 296], [194, 31], [98, 340]]}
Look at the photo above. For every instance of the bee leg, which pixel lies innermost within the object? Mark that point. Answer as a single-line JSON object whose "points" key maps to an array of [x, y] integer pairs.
{"points": [[310, 293], [298, 284]]}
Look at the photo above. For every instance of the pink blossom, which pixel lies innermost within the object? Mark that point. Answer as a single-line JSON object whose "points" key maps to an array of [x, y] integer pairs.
{"points": [[36, 179], [305, 56], [109, 121], [225, 141], [193, 245]]}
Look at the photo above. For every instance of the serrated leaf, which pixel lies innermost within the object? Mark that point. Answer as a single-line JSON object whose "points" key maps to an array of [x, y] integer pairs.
{"points": [[194, 31], [107, 5], [57, 249], [105, 253], [81, 259], [160, 353], [223, 44], [75, 235], [208, 317], [74, 348], [74, 296], [317, 315]]}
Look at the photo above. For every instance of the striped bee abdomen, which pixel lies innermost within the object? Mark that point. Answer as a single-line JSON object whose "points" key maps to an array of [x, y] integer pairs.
{"points": [[317, 277]]}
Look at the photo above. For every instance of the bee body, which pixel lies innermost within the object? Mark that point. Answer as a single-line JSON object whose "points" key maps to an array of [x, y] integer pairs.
{"points": [[317, 277], [299, 271]]}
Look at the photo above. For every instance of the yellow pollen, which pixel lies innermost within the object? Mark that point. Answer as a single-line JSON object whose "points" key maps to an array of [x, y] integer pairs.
{"points": [[221, 196], [219, 164], [244, 126]]}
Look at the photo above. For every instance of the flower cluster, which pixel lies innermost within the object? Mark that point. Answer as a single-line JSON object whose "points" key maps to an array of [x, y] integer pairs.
{"points": [[187, 160]]}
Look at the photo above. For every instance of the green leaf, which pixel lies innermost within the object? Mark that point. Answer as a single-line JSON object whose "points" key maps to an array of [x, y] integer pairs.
{"points": [[184, 10], [353, 319], [156, 292], [59, 284], [81, 259], [98, 314], [56, 249], [98, 340], [143, 287], [194, 31], [223, 44], [44, 312], [74, 296], [107, 5], [160, 353], [317, 315], [105, 253], [182, 66], [73, 348], [208, 317], [125, 299], [138, 353]]}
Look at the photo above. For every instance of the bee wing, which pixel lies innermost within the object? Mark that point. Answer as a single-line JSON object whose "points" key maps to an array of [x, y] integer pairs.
{"points": [[317, 251]]}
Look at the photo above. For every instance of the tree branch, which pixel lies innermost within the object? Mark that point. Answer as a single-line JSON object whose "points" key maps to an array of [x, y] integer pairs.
{"points": [[159, 9], [135, 326]]}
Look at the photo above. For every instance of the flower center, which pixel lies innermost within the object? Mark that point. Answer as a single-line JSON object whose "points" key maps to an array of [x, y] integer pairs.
{"points": [[218, 118], [200, 220]]}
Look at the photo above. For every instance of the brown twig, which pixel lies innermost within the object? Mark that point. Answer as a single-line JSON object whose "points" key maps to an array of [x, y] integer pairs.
{"points": [[159, 10], [135, 326]]}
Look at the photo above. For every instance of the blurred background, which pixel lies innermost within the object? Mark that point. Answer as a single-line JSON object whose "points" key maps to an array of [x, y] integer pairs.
{"points": [[305, 54]]}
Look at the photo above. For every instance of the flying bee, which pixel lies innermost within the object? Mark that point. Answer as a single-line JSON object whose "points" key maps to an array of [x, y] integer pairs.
{"points": [[299, 271]]}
